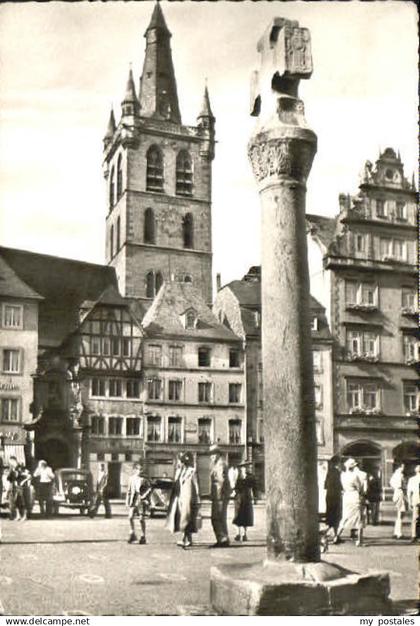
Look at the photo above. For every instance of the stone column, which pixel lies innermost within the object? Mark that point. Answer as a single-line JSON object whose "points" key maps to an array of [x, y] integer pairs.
{"points": [[281, 151], [292, 580]]}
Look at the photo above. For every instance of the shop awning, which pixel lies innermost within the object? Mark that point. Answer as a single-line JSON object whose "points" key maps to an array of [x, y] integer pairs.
{"points": [[17, 450]]}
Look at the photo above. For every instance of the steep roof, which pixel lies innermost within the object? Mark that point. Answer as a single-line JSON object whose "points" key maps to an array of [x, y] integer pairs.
{"points": [[13, 286], [248, 294], [172, 301], [59, 279], [324, 228], [64, 284]]}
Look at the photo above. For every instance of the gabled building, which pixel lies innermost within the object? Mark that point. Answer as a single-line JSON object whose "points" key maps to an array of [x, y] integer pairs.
{"points": [[158, 177], [62, 287], [238, 307], [19, 305], [193, 391], [366, 277]]}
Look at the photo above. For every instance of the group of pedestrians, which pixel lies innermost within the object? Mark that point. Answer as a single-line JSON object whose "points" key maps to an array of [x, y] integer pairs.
{"points": [[184, 503], [353, 499], [22, 487]]}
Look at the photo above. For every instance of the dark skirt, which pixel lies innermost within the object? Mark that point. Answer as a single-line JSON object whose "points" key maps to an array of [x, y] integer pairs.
{"points": [[334, 511], [244, 510]]}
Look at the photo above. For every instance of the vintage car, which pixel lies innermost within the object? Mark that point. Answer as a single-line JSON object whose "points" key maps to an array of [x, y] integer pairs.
{"points": [[160, 496], [72, 489]]}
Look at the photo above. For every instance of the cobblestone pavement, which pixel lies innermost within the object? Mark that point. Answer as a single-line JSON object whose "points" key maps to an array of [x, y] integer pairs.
{"points": [[74, 565]]}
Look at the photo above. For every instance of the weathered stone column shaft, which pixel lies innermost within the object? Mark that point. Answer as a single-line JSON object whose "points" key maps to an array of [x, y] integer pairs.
{"points": [[281, 151], [290, 455]]}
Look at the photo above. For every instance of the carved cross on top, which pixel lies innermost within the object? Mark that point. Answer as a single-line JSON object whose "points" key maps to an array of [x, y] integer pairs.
{"points": [[285, 53]]}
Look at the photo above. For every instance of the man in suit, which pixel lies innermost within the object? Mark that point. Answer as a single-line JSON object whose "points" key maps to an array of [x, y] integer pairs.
{"points": [[137, 500], [101, 493], [220, 493]]}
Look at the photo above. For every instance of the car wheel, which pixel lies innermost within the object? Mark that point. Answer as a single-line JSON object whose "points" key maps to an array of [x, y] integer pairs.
{"points": [[82, 510], [152, 513], [56, 509]]}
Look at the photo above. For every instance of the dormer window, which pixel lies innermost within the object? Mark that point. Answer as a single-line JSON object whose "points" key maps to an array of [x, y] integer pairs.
{"points": [[314, 323], [189, 319]]}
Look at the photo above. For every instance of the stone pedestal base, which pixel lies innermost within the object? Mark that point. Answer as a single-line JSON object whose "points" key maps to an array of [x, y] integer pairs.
{"points": [[297, 589]]}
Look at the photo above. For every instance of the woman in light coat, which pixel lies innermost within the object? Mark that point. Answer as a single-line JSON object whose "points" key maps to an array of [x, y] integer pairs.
{"points": [[183, 512], [354, 491]]}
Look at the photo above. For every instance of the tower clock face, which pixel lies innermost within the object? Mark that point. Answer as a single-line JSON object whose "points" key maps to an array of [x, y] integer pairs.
{"points": [[389, 174]]}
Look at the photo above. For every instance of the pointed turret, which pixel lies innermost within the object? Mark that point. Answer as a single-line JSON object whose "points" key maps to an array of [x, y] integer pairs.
{"points": [[110, 129], [158, 93], [205, 106], [413, 182], [205, 123], [130, 103]]}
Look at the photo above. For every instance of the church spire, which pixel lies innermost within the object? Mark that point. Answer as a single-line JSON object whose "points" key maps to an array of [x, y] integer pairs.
{"points": [[157, 20], [130, 104], [158, 94]]}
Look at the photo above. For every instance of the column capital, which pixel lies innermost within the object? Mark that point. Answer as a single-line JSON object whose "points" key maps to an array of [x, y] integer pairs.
{"points": [[276, 159]]}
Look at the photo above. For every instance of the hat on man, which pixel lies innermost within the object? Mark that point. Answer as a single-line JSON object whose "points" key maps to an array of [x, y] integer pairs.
{"points": [[214, 449], [350, 464]]}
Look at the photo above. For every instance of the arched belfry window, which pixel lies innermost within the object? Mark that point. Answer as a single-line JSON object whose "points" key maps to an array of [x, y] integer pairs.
{"points": [[154, 281], [184, 174], [187, 231], [111, 188], [118, 235], [119, 177], [149, 226], [111, 242], [154, 169]]}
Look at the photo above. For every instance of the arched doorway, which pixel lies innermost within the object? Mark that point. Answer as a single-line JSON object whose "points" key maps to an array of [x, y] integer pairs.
{"points": [[55, 451], [366, 453], [407, 452]]}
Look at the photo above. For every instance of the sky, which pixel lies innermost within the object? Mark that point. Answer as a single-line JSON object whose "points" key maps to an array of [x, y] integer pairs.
{"points": [[62, 66]]}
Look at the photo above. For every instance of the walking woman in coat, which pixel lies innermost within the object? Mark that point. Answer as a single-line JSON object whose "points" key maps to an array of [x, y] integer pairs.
{"points": [[185, 504], [333, 488], [244, 497], [354, 491]]}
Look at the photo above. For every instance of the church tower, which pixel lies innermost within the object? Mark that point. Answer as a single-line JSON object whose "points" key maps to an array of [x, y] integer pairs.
{"points": [[158, 177]]}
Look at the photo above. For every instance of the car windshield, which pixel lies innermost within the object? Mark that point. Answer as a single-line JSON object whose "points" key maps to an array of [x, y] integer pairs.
{"points": [[73, 476]]}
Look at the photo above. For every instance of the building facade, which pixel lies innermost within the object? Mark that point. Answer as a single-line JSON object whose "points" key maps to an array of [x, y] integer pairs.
{"points": [[238, 306], [158, 177], [193, 383], [367, 279], [18, 359]]}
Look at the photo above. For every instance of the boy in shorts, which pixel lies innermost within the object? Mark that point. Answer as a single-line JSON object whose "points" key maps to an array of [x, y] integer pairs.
{"points": [[138, 493]]}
